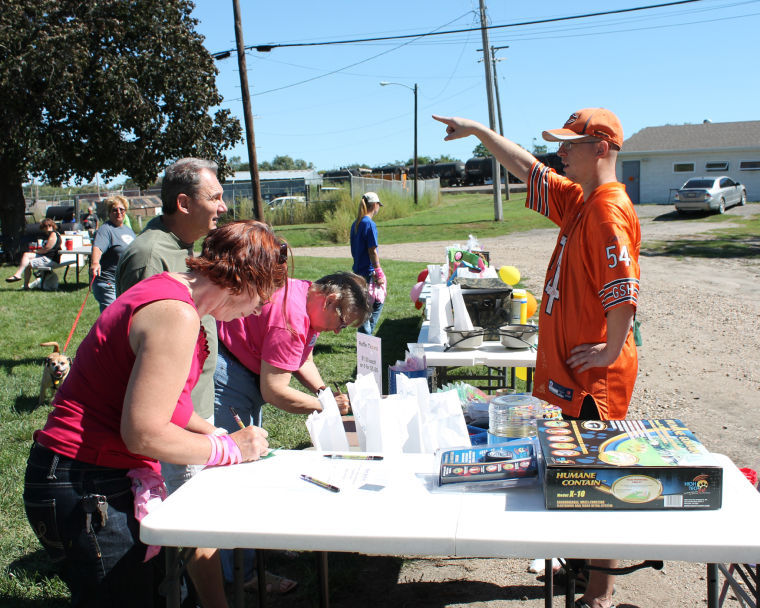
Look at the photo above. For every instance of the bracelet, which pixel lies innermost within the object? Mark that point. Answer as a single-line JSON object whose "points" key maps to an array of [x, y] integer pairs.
{"points": [[215, 451], [233, 450], [320, 389]]}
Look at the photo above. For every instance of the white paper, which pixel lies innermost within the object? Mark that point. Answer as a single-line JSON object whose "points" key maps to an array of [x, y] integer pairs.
{"points": [[326, 427]]}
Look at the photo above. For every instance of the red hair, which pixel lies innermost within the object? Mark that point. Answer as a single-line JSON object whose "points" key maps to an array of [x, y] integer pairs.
{"points": [[243, 255]]}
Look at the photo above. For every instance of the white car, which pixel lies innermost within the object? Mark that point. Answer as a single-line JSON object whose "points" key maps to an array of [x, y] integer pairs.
{"points": [[282, 201], [710, 194]]}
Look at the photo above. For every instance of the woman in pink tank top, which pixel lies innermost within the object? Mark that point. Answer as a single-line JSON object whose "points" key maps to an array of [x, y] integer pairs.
{"points": [[126, 405]]}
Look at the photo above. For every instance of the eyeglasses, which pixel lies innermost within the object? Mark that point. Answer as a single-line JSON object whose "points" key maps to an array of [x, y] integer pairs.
{"points": [[283, 253], [343, 323], [568, 145], [118, 210]]}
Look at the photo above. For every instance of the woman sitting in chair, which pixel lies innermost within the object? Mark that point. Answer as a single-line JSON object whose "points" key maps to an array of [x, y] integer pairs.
{"points": [[45, 257]]}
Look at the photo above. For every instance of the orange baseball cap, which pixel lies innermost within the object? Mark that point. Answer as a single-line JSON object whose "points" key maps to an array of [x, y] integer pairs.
{"points": [[589, 122]]}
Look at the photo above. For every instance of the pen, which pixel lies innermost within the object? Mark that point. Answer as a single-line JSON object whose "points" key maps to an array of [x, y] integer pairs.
{"points": [[237, 418], [353, 456], [335, 384], [269, 453], [321, 484]]}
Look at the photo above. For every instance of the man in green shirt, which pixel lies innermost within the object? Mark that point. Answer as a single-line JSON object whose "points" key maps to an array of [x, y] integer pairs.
{"points": [[191, 197]]}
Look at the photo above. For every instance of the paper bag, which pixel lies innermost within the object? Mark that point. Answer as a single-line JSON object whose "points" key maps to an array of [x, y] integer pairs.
{"points": [[462, 320], [444, 424], [441, 315], [326, 427], [416, 394], [362, 393]]}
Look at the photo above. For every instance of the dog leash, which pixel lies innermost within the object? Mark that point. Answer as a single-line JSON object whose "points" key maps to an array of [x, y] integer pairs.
{"points": [[79, 314]]}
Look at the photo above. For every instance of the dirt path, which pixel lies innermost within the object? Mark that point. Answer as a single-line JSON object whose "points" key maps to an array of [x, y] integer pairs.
{"points": [[700, 362]]}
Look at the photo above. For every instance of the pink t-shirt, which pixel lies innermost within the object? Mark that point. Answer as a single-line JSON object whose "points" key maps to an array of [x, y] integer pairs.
{"points": [[267, 337], [86, 417]]}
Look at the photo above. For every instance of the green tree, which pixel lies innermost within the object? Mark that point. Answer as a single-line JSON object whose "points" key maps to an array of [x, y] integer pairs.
{"points": [[109, 86], [445, 158], [481, 150], [284, 163]]}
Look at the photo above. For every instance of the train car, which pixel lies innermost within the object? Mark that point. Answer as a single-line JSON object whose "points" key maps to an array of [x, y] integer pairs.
{"points": [[477, 170], [395, 171], [451, 174]]}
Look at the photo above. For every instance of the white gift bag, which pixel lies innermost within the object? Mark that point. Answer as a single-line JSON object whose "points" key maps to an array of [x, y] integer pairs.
{"points": [[462, 320], [445, 425], [326, 427], [441, 315]]}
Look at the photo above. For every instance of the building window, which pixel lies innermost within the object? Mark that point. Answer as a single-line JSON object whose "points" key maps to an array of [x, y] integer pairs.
{"points": [[683, 167], [720, 165], [749, 165]]}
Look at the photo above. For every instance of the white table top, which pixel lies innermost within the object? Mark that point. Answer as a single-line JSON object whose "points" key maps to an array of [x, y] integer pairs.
{"points": [[265, 505], [490, 353]]}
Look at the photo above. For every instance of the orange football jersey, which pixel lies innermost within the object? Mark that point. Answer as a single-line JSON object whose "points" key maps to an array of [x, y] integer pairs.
{"points": [[594, 268]]}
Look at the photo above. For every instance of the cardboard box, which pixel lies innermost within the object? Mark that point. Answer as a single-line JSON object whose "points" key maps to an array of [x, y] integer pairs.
{"points": [[627, 464]]}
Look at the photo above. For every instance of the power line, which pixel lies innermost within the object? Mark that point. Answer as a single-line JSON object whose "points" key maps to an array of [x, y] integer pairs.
{"points": [[265, 48]]}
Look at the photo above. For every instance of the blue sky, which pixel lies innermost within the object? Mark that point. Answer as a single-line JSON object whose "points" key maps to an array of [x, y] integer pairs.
{"points": [[324, 104]]}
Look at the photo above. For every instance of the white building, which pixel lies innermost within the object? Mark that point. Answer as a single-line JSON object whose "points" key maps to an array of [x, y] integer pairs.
{"points": [[656, 161]]}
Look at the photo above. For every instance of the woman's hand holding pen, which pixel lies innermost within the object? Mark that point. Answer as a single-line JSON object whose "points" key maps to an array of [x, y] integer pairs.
{"points": [[252, 441]]}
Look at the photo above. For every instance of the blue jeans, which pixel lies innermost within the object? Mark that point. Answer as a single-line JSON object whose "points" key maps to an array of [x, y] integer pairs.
{"points": [[369, 324], [102, 565], [104, 291], [236, 386]]}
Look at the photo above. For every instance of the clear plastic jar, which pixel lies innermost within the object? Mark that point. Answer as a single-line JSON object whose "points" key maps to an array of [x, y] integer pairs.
{"points": [[514, 416]]}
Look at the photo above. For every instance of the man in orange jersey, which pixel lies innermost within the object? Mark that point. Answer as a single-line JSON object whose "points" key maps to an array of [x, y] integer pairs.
{"points": [[586, 361]]}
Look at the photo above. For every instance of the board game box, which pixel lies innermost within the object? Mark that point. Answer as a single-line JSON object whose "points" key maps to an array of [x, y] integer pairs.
{"points": [[627, 464], [484, 465]]}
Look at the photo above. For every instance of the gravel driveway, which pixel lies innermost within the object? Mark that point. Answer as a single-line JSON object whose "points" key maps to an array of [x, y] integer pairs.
{"points": [[699, 362]]}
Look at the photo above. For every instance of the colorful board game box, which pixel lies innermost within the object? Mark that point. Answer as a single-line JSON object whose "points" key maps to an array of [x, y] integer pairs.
{"points": [[513, 460], [627, 464]]}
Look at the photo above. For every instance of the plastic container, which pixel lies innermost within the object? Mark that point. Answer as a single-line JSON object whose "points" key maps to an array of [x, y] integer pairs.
{"points": [[518, 336], [514, 416], [519, 314]]}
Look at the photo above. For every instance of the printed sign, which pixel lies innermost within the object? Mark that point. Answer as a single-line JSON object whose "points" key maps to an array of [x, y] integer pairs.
{"points": [[369, 357]]}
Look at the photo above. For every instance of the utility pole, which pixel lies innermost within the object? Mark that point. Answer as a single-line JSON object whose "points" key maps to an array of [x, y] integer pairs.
{"points": [[258, 207], [498, 106], [496, 172]]}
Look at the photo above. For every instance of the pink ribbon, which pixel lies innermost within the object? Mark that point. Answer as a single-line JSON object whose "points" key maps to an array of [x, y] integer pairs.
{"points": [[149, 491]]}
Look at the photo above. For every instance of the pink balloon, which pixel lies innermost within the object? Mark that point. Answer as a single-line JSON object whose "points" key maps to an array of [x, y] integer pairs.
{"points": [[414, 294]]}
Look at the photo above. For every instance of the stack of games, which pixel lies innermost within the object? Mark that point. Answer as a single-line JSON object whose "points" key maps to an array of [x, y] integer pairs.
{"points": [[479, 466], [627, 464]]}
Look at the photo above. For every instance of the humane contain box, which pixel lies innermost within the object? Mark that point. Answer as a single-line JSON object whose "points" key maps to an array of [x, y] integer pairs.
{"points": [[627, 464]]}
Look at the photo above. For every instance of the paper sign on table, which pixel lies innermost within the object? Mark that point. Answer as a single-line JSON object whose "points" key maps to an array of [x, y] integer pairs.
{"points": [[369, 357]]}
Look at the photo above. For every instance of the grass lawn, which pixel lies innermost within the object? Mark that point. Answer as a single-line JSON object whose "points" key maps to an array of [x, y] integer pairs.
{"points": [[457, 216]]}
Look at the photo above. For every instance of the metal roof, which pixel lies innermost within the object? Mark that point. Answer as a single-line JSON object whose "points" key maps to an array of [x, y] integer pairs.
{"points": [[245, 176], [704, 136]]}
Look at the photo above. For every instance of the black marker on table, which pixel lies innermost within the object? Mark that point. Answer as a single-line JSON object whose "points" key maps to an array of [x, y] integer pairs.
{"points": [[321, 484]]}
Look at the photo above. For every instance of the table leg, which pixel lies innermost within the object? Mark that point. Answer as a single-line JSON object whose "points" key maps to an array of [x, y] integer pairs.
{"points": [[324, 588], [238, 578], [261, 572], [173, 595], [712, 586], [548, 584], [529, 383]]}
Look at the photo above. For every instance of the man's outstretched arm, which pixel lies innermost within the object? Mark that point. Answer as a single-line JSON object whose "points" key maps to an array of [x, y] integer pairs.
{"points": [[517, 160]]}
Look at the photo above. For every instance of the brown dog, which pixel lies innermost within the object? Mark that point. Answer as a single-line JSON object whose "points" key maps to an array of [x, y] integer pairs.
{"points": [[54, 371]]}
